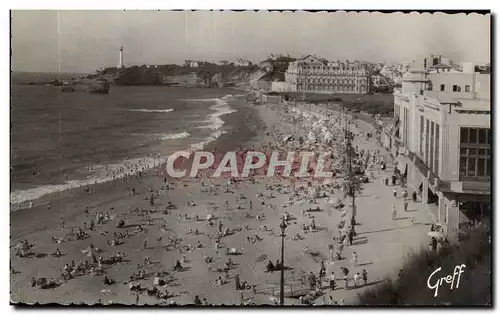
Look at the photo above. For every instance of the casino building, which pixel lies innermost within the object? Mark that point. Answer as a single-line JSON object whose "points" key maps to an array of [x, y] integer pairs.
{"points": [[317, 75], [441, 138]]}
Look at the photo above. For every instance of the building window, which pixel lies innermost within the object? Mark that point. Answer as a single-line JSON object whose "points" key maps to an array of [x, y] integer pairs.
{"points": [[421, 150], [430, 165], [475, 154], [456, 88], [436, 150], [426, 160], [429, 86], [445, 213], [467, 88], [442, 87]]}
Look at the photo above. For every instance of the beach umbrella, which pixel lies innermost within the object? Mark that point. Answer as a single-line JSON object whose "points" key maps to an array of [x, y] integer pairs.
{"points": [[436, 234]]}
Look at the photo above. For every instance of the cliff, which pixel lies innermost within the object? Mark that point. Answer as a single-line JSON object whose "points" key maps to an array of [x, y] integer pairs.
{"points": [[206, 75]]}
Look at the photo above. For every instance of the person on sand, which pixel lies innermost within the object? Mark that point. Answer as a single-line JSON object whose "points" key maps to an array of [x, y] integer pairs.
{"points": [[394, 212], [197, 300], [237, 282], [177, 266], [108, 281], [270, 267]]}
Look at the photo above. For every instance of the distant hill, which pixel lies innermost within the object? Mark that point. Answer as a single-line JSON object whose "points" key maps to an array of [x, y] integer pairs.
{"points": [[24, 77], [207, 74]]}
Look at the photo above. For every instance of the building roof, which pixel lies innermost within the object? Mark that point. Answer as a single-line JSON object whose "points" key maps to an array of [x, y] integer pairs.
{"points": [[474, 105]]}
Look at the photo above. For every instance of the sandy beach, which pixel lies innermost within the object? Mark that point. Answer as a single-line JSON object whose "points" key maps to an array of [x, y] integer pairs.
{"points": [[217, 236]]}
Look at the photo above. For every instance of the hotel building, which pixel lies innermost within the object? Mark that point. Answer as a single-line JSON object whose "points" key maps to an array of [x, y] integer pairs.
{"points": [[441, 138], [316, 75]]}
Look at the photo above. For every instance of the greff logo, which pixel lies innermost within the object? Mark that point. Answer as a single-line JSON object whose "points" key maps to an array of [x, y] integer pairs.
{"points": [[434, 283]]}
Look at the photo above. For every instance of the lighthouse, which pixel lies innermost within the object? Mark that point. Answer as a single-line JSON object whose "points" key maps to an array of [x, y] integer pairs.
{"points": [[120, 65]]}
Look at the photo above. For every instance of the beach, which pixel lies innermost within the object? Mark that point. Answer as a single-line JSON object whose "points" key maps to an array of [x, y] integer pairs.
{"points": [[216, 233]]}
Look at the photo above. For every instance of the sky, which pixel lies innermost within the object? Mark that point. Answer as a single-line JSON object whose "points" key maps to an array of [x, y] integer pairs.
{"points": [[83, 41]]}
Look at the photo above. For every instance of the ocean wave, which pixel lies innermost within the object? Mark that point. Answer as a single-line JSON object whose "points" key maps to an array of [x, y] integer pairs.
{"points": [[173, 136], [198, 99], [200, 145], [152, 110], [215, 123]]}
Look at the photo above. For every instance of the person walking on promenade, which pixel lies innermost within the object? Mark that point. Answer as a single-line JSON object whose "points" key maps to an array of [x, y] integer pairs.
{"points": [[394, 212], [312, 280], [356, 279], [322, 269], [330, 249], [355, 259], [395, 192], [237, 282], [364, 275], [414, 196], [434, 244], [346, 282], [351, 236], [332, 281], [405, 205]]}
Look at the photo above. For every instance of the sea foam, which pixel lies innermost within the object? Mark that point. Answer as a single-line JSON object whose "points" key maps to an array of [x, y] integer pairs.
{"points": [[173, 136], [152, 110]]}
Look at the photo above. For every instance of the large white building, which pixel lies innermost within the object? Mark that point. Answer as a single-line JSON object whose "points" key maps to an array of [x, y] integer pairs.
{"points": [[442, 138], [317, 75]]}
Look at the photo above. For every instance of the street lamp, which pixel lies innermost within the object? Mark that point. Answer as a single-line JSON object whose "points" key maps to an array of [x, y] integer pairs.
{"points": [[351, 175], [282, 283]]}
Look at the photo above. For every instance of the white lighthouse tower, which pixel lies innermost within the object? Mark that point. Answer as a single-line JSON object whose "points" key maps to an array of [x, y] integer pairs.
{"points": [[120, 65]]}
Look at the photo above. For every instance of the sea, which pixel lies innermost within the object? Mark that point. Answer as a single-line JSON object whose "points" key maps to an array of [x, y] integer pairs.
{"points": [[63, 140]]}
